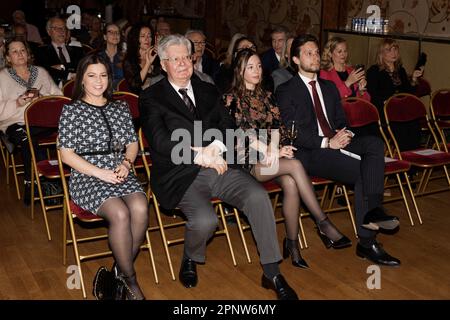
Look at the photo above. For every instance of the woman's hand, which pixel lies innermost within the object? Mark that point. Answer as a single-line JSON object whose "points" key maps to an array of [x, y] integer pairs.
{"points": [[149, 56], [25, 98], [417, 74], [122, 171], [109, 176], [362, 85], [287, 152], [355, 76]]}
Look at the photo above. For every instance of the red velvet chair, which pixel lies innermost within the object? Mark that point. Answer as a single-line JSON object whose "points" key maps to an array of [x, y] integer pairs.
{"points": [[44, 112], [405, 107], [440, 112], [73, 213], [123, 86], [361, 112], [68, 87]]}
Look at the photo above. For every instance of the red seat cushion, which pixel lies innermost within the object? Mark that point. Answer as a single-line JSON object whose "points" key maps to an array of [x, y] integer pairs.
{"points": [[396, 166], [82, 214], [138, 163], [318, 180], [49, 169], [436, 159], [271, 186]]}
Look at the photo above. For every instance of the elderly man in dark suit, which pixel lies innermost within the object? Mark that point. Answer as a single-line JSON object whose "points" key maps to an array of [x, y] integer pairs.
{"points": [[188, 179], [323, 141], [59, 59]]}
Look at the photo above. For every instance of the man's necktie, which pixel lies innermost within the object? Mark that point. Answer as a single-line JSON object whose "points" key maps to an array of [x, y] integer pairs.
{"points": [[61, 56], [324, 125], [189, 104]]}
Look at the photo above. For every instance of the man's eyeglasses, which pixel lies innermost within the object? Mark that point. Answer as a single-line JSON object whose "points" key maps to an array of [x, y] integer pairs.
{"points": [[63, 29], [178, 60], [199, 43]]}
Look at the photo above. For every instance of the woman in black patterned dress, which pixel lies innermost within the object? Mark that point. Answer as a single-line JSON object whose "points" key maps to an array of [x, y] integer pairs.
{"points": [[93, 132], [255, 109]]}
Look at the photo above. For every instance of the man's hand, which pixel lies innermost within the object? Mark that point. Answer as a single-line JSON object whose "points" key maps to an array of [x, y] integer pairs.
{"points": [[341, 139], [210, 157]]}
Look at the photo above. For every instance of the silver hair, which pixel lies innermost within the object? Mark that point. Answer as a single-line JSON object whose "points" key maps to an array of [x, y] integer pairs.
{"points": [[191, 31], [50, 22], [172, 40]]}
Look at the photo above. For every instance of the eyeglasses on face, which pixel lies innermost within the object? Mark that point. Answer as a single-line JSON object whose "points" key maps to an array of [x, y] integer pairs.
{"points": [[178, 60], [61, 29], [199, 43], [113, 33]]}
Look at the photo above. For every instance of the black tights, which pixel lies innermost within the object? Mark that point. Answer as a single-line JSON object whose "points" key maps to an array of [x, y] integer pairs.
{"points": [[296, 184], [127, 217]]}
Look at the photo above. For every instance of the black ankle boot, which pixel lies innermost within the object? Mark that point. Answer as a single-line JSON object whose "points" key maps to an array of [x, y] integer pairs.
{"points": [[294, 252]]}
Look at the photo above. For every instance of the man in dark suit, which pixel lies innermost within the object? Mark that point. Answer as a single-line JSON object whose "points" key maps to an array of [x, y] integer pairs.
{"points": [[315, 106], [271, 58], [57, 58], [181, 106], [205, 63]]}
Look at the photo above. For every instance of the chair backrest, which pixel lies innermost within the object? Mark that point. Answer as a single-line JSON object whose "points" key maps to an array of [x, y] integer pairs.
{"points": [[131, 99], [45, 111], [123, 86], [423, 87], [403, 107], [360, 112], [440, 103], [68, 87]]}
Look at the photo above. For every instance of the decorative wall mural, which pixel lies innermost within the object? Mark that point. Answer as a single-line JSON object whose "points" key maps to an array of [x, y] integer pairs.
{"points": [[256, 18]]}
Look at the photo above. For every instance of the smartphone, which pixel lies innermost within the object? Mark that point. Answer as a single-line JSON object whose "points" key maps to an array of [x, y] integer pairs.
{"points": [[421, 61], [34, 91], [359, 66]]}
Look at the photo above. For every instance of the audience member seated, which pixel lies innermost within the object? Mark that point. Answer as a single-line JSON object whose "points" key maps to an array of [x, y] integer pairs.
{"points": [[204, 62], [349, 81], [254, 109], [57, 58], [200, 75], [113, 52], [224, 75], [102, 182], [141, 66], [322, 135], [16, 80], [33, 34], [19, 31], [163, 28], [189, 182], [271, 58], [388, 77], [285, 71], [96, 38]]}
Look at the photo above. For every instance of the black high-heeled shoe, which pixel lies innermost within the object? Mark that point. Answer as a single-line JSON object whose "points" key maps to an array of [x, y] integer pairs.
{"points": [[287, 251], [127, 293], [342, 242]]}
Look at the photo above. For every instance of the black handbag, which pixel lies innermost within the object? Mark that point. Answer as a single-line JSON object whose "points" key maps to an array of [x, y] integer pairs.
{"points": [[107, 286]]}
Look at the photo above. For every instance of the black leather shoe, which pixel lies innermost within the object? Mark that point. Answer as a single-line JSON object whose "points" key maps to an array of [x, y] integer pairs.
{"points": [[376, 219], [377, 255], [296, 257], [280, 286], [188, 273]]}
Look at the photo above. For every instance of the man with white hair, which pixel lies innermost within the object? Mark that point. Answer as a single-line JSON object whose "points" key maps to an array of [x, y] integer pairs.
{"points": [[180, 102]]}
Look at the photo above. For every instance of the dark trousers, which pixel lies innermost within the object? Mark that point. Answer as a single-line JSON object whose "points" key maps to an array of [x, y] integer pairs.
{"points": [[366, 174], [17, 135], [240, 190]]}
